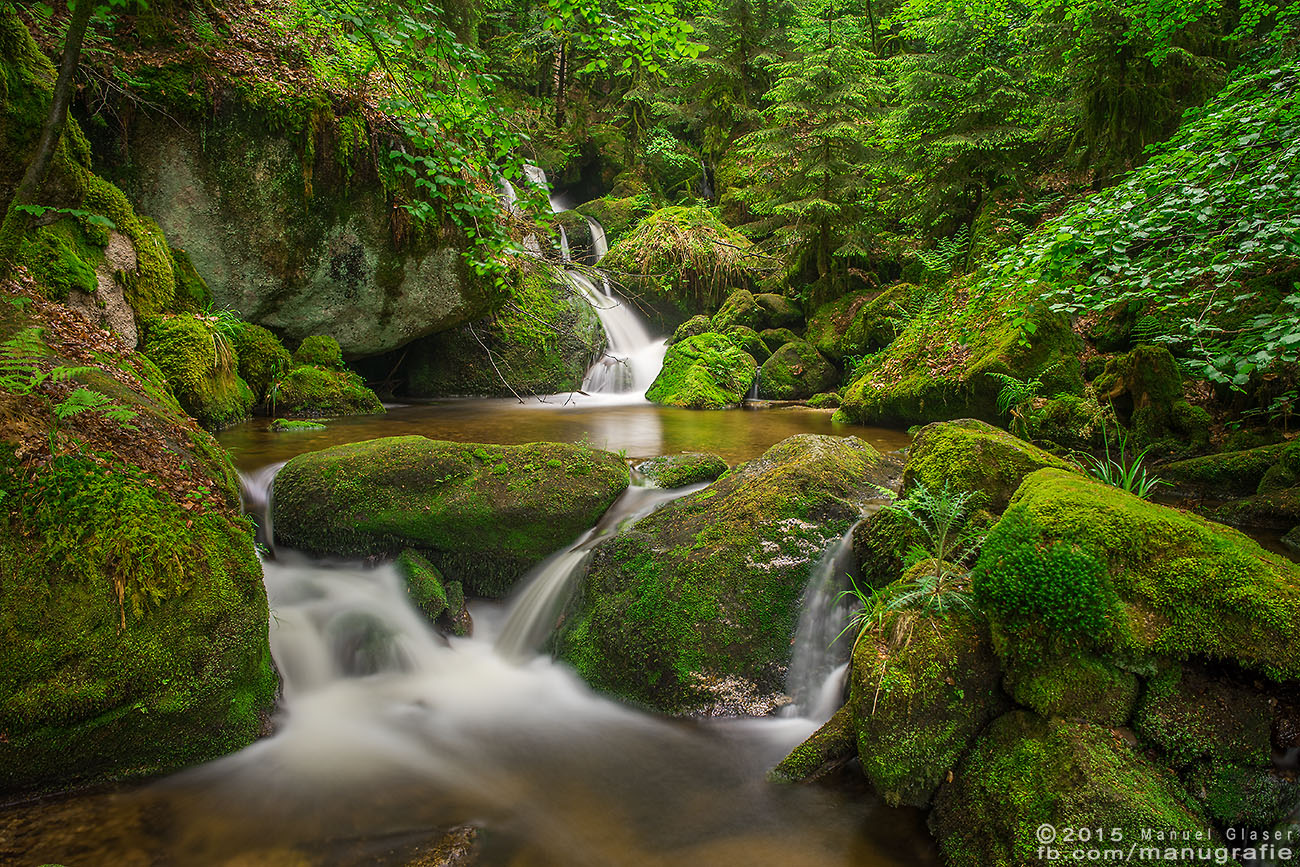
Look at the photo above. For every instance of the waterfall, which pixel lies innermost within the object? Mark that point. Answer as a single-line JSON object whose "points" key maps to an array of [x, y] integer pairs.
{"points": [[545, 590], [820, 657], [633, 358], [599, 246], [564, 246], [753, 389], [509, 196], [255, 496], [706, 188]]}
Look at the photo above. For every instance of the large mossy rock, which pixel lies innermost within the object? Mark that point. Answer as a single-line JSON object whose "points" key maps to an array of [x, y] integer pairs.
{"points": [[938, 366], [919, 702], [205, 382], [740, 308], [796, 371], [297, 252], [133, 618], [1077, 564], [971, 455], [706, 371], [482, 514], [1276, 510], [1025, 772], [881, 543], [262, 358], [541, 342], [318, 392], [701, 597], [700, 324], [779, 311], [826, 325]]}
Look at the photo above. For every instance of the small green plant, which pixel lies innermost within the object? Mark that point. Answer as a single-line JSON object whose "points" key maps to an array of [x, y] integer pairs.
{"points": [[1124, 471], [941, 516], [223, 325], [1014, 396]]}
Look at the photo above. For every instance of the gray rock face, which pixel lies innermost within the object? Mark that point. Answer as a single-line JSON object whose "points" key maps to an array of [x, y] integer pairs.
{"points": [[295, 254]]}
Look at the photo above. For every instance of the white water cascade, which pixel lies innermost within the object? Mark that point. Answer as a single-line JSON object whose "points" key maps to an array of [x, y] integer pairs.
{"points": [[387, 730], [819, 660]]}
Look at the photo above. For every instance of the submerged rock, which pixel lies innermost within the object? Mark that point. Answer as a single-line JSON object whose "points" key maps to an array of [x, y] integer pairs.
{"points": [[794, 372], [706, 371], [482, 514], [706, 590], [440, 600], [688, 468]]}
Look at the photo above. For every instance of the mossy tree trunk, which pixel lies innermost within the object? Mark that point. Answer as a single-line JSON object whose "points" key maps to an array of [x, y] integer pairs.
{"points": [[16, 219]]}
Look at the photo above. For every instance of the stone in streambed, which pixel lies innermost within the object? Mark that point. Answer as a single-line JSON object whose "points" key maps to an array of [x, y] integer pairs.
{"points": [[705, 592], [483, 514], [794, 372], [689, 468], [706, 371]]}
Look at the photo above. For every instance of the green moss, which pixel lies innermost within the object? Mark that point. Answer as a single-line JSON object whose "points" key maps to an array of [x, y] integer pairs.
{"points": [[690, 468], [542, 340], [477, 525], [827, 325], [703, 372], [1145, 386], [192, 292], [134, 629], [919, 703], [1068, 421], [283, 425], [314, 392], [775, 338], [747, 340], [740, 308], [1230, 473], [1075, 687], [937, 367], [207, 386], [779, 311], [1276, 510], [970, 455], [59, 261], [319, 351], [794, 372], [708, 587], [1025, 772], [825, 400], [1235, 796], [617, 216], [1191, 715], [262, 358], [827, 748], [690, 328], [1077, 562], [881, 544], [878, 322], [424, 583]]}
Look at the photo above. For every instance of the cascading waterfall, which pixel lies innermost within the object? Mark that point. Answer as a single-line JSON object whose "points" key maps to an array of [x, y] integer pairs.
{"points": [[388, 730], [819, 660], [565, 255], [255, 497], [599, 245]]}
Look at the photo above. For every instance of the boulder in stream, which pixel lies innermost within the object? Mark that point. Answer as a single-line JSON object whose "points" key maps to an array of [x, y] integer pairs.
{"points": [[482, 514], [706, 371], [794, 372], [703, 594]]}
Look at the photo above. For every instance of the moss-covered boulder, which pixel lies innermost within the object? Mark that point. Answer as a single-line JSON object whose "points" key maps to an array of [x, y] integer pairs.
{"points": [[920, 699], [707, 371], [688, 468], [877, 323], [1075, 564], [779, 311], [316, 392], [542, 341], [740, 308], [825, 400], [1275, 510], [971, 455], [830, 747], [1070, 422], [319, 350], [1243, 797], [937, 367], [201, 369], [482, 514], [289, 425], [794, 372], [262, 358], [1234, 474], [748, 341], [1075, 686], [700, 324], [1145, 386], [826, 325], [1190, 715], [1025, 772], [881, 543], [133, 618], [775, 338], [617, 216], [701, 597]]}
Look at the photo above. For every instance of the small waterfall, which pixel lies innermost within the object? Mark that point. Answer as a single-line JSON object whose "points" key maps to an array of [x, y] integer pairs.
{"points": [[255, 490], [633, 359], [819, 660], [545, 590], [706, 188], [599, 245], [564, 246], [753, 389]]}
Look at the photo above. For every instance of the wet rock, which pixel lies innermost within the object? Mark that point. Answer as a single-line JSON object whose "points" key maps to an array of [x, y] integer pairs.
{"points": [[703, 372], [688, 468], [794, 372]]}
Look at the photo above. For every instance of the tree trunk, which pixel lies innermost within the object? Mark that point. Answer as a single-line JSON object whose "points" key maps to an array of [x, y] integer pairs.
{"points": [[15, 222], [561, 80]]}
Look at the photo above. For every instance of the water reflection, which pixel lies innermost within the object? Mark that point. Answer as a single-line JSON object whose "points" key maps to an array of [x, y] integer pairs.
{"points": [[640, 430]]}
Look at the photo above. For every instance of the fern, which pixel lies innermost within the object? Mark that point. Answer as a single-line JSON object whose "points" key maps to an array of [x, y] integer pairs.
{"points": [[949, 254], [20, 362]]}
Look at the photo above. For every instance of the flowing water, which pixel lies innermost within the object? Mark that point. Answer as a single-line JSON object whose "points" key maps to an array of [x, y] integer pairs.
{"points": [[389, 733]]}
